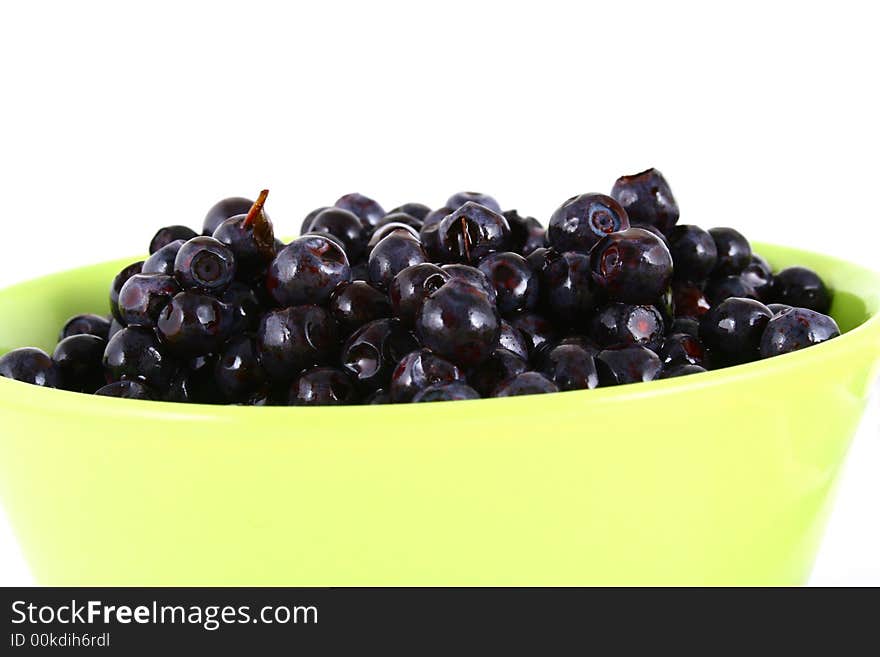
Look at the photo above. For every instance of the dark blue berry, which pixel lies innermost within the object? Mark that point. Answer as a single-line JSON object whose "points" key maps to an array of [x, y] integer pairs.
{"points": [[162, 261], [292, 339], [323, 386], [392, 255], [366, 209], [472, 232], [647, 199], [733, 250], [724, 287], [79, 362], [374, 350], [627, 365], [526, 233], [357, 303], [222, 210], [570, 367], [307, 270], [87, 324], [527, 383], [116, 285], [681, 349], [194, 324], [446, 392], [205, 265], [567, 288], [632, 266], [345, 226], [620, 324], [30, 365], [237, 370], [169, 234], [515, 283], [733, 329], [411, 287], [457, 200], [801, 288], [501, 365], [512, 339], [795, 329], [583, 220], [135, 353], [759, 275], [417, 210], [419, 370], [144, 296], [127, 390], [693, 252]]}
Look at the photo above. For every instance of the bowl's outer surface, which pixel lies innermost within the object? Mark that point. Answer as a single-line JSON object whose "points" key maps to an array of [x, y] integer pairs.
{"points": [[718, 478]]}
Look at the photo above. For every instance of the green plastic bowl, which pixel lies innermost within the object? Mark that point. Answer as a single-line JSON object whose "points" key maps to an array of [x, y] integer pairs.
{"points": [[718, 478]]}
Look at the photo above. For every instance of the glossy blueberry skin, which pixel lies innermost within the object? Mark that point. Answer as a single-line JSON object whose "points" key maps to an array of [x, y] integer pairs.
{"points": [[570, 367], [512, 339], [473, 276], [374, 350], [357, 303], [419, 370], [307, 221], [345, 226], [778, 308], [429, 233], [526, 233], [411, 287], [115, 327], [237, 370], [693, 252], [734, 252], [796, 329], [733, 329], [680, 370], [79, 362], [527, 383], [291, 339], [244, 306], [135, 353], [681, 349], [536, 330], [194, 324], [391, 256], [472, 232], [222, 210], [306, 271], [619, 324], [801, 288], [457, 200], [446, 392], [117, 283], [203, 264], [366, 209], [632, 364], [144, 296], [253, 246], [400, 218], [689, 300], [500, 366], [647, 199], [459, 322], [583, 220], [759, 276], [567, 289], [632, 266], [417, 210], [87, 324], [165, 236], [724, 287], [385, 230], [517, 288], [688, 325], [162, 261], [127, 390], [30, 365], [323, 386], [195, 383]]}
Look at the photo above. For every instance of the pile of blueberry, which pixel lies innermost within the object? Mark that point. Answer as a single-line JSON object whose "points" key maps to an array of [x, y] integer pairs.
{"points": [[461, 302]]}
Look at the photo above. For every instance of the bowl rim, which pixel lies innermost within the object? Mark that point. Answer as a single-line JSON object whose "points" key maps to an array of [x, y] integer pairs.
{"points": [[51, 400]]}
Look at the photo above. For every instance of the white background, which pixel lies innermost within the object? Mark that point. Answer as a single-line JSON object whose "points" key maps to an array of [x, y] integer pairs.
{"points": [[116, 120]]}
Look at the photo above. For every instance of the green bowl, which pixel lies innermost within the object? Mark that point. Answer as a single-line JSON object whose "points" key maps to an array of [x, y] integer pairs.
{"points": [[718, 478]]}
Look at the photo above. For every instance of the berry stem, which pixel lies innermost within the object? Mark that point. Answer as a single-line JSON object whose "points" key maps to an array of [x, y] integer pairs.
{"points": [[256, 209]]}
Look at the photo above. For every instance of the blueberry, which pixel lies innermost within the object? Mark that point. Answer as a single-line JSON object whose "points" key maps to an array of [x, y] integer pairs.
{"points": [[374, 350], [680, 370], [165, 236], [620, 324], [307, 270], [537, 331], [323, 386], [205, 265], [385, 230], [400, 218], [759, 275], [583, 220], [733, 328], [345, 226], [693, 252], [366, 209], [222, 210], [724, 287], [127, 390], [472, 232], [245, 308], [411, 287], [419, 370], [357, 303], [251, 238], [647, 199], [292, 339], [802, 288], [501, 365], [570, 367], [391, 256], [135, 353], [627, 365], [417, 210], [515, 283], [734, 251], [527, 383], [78, 360], [459, 323], [429, 233], [457, 200], [116, 285], [446, 392], [87, 324], [689, 325], [194, 324], [144, 296], [162, 261], [196, 383], [526, 233], [567, 288], [30, 365], [778, 308], [795, 329], [681, 349], [309, 218], [689, 300], [473, 276], [632, 266], [512, 339], [237, 370]]}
